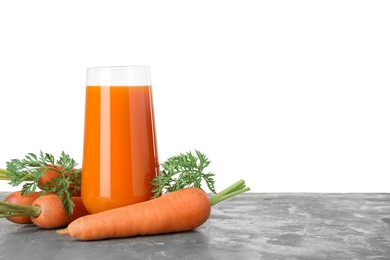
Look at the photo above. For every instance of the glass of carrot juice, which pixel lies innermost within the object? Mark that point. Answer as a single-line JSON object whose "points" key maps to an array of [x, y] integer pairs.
{"points": [[120, 152]]}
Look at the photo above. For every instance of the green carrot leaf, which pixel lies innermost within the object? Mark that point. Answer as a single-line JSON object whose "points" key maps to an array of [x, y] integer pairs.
{"points": [[183, 170]]}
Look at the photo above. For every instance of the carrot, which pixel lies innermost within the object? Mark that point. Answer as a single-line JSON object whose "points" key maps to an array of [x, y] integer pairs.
{"points": [[46, 211], [19, 199], [46, 181], [48, 174], [176, 211]]}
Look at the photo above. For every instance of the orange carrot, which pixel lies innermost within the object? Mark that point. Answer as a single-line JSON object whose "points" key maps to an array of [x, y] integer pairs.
{"points": [[177, 211], [46, 211], [19, 199], [49, 175]]}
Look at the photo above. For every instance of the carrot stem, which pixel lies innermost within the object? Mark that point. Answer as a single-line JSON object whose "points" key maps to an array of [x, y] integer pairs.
{"points": [[11, 210], [231, 191], [4, 175], [238, 185]]}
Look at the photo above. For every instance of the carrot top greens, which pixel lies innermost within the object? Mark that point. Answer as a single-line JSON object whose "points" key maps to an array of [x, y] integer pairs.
{"points": [[32, 167], [183, 170]]}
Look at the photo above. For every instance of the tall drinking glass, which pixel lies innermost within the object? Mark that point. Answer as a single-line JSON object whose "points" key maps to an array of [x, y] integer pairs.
{"points": [[120, 153]]}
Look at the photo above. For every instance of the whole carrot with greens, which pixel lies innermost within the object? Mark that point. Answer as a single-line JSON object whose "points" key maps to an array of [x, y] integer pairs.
{"points": [[44, 172], [176, 211], [46, 211]]}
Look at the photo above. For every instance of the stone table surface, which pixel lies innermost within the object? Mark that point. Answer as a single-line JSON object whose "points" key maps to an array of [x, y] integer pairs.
{"points": [[250, 226]]}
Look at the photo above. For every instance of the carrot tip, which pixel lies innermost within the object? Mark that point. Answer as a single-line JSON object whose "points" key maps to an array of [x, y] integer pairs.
{"points": [[62, 231]]}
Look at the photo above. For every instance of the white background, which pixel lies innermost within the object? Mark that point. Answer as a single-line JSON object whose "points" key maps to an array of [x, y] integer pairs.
{"points": [[292, 96]]}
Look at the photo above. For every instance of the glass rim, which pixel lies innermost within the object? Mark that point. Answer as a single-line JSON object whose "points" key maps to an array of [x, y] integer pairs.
{"points": [[118, 68], [118, 76]]}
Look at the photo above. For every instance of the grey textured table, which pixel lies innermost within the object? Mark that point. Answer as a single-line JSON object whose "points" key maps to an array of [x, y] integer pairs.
{"points": [[250, 226]]}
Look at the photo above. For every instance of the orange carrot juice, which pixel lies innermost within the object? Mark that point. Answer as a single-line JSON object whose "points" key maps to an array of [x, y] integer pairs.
{"points": [[120, 155]]}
